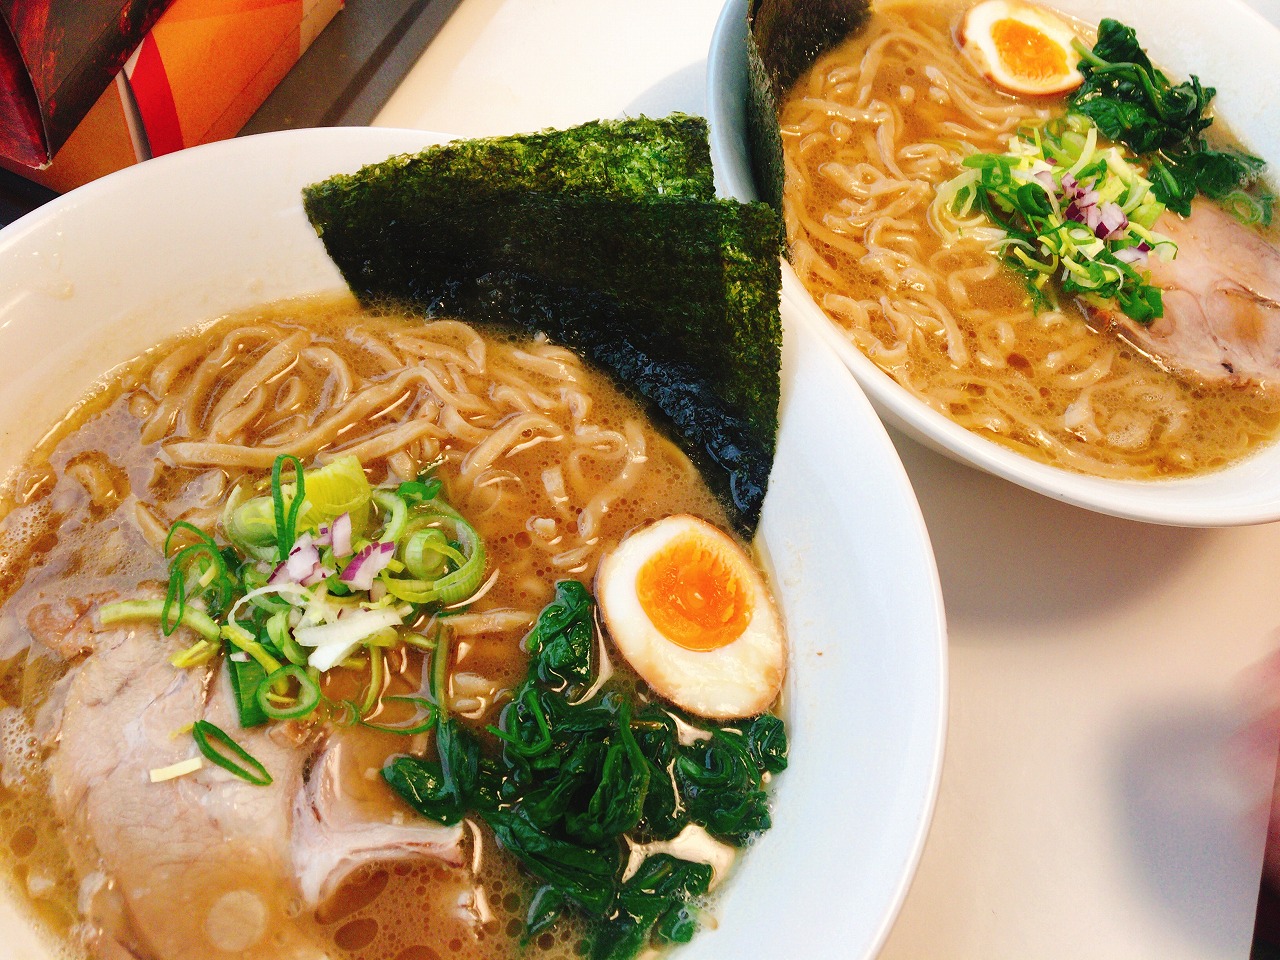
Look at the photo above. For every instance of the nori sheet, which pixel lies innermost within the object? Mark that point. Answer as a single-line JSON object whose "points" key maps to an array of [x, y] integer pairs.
{"points": [[672, 292], [613, 158], [784, 37]]}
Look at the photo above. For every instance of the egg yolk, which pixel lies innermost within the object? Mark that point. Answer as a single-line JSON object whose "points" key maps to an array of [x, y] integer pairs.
{"points": [[1028, 52], [692, 594]]}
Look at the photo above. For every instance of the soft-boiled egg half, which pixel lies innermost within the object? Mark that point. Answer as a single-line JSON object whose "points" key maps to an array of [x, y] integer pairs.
{"points": [[1021, 47], [691, 613]]}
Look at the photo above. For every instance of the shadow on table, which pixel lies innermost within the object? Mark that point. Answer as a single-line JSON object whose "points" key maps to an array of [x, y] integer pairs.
{"points": [[1185, 830], [1046, 560]]}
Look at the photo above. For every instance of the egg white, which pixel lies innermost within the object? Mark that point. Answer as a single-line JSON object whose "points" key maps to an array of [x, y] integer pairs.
{"points": [[740, 679], [976, 39]]}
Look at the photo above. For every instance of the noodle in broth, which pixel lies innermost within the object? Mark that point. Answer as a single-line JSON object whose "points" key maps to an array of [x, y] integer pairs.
{"points": [[869, 133], [547, 460]]}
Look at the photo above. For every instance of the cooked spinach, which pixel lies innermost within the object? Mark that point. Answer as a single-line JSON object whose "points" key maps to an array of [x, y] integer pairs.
{"points": [[561, 640], [1135, 104], [571, 775], [653, 903]]}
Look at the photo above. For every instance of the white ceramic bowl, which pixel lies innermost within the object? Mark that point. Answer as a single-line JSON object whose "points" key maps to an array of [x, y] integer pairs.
{"points": [[101, 274], [1225, 43]]}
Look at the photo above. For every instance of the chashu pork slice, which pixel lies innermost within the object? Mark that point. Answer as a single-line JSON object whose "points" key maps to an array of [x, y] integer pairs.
{"points": [[1221, 293], [192, 868], [346, 817], [206, 866]]}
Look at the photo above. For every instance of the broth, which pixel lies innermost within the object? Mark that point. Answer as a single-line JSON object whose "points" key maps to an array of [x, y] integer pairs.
{"points": [[544, 456]]}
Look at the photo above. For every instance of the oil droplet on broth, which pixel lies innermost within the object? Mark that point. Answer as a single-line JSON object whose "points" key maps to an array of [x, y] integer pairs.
{"points": [[418, 953], [357, 934], [356, 894]]}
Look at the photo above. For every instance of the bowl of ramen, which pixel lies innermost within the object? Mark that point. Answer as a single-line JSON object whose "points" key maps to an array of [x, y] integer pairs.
{"points": [[1128, 368], [317, 617]]}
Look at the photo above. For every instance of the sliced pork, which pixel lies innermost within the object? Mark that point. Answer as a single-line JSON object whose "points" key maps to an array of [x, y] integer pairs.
{"points": [[206, 866], [65, 626], [1221, 293], [346, 817], [192, 868]]}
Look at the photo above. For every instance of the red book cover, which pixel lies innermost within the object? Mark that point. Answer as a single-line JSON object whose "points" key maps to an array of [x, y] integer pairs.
{"points": [[56, 59]]}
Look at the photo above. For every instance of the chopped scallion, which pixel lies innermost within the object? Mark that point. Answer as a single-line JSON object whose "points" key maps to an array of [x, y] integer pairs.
{"points": [[125, 610], [219, 747], [286, 515], [288, 706]]}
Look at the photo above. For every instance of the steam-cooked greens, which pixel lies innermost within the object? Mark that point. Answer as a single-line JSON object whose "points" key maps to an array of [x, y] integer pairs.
{"points": [[1135, 104], [582, 773]]}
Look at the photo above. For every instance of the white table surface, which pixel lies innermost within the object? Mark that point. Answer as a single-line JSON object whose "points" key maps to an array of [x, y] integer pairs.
{"points": [[1092, 804]]}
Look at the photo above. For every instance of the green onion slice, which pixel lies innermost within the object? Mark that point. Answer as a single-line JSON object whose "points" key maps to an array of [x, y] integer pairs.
{"points": [[278, 633], [427, 552], [396, 512], [453, 587], [251, 525], [125, 610], [377, 663], [219, 747], [286, 517], [302, 704], [242, 639], [198, 567]]}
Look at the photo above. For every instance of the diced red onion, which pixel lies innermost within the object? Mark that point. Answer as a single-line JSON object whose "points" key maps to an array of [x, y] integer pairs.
{"points": [[1132, 255], [303, 558], [1111, 222], [341, 532], [317, 575], [367, 564], [323, 539], [1045, 179], [302, 565]]}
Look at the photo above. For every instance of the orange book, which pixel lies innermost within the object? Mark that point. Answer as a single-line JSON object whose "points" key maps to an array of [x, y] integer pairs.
{"points": [[56, 59], [198, 75]]}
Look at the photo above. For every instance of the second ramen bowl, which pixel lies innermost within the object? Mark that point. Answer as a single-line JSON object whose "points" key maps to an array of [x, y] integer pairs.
{"points": [[1221, 45]]}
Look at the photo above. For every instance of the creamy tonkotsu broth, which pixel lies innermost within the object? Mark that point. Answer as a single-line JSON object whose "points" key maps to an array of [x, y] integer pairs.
{"points": [[869, 133], [546, 458]]}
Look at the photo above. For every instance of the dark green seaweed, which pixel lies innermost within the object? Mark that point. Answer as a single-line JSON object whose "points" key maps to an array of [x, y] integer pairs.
{"points": [[675, 294], [784, 37], [614, 158]]}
